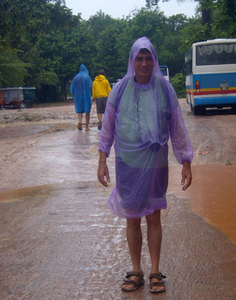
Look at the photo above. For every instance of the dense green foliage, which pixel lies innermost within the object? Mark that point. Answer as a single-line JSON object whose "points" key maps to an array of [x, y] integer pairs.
{"points": [[43, 45], [178, 82]]}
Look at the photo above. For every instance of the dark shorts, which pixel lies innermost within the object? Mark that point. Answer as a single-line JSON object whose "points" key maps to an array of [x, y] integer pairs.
{"points": [[101, 104]]}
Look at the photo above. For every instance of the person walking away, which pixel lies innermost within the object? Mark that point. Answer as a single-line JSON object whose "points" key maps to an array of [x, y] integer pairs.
{"points": [[101, 90], [142, 113], [81, 88]]}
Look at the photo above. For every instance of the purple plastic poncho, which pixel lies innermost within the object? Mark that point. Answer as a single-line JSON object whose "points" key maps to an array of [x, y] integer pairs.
{"points": [[139, 119], [81, 88]]}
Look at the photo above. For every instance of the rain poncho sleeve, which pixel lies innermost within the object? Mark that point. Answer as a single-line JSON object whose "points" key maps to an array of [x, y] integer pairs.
{"points": [[139, 118], [81, 88], [181, 145]]}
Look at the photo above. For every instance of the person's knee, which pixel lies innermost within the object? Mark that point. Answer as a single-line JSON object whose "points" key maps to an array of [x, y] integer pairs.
{"points": [[154, 218], [133, 223]]}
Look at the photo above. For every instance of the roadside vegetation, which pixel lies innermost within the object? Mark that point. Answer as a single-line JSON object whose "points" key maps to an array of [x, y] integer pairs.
{"points": [[42, 44]]}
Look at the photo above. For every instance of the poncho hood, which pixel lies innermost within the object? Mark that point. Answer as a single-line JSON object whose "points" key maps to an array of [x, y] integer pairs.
{"points": [[156, 81], [100, 77], [140, 44], [83, 69]]}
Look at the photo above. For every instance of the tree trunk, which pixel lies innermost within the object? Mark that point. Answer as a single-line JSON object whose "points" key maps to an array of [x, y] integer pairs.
{"points": [[63, 89], [206, 14]]}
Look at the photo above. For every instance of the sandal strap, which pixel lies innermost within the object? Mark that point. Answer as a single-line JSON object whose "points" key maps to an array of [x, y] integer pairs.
{"points": [[155, 283], [131, 282], [134, 273], [158, 276]]}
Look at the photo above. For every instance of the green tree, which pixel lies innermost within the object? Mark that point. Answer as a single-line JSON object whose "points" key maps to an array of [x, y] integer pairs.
{"points": [[193, 32], [107, 56], [18, 18], [99, 22], [27, 19], [178, 82], [145, 22], [22, 23], [164, 33], [63, 52], [168, 52], [205, 8], [224, 18], [12, 70]]}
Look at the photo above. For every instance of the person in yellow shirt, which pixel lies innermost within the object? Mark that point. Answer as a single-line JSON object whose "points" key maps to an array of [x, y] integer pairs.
{"points": [[100, 91]]}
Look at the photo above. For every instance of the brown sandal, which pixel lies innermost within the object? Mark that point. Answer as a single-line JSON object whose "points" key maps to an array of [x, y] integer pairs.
{"points": [[159, 276], [135, 284]]}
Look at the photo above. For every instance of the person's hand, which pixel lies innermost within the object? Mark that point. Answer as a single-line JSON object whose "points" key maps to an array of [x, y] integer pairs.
{"points": [[103, 173], [186, 175]]}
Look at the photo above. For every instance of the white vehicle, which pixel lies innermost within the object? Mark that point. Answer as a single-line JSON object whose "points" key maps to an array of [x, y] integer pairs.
{"points": [[210, 69], [114, 83], [165, 72]]}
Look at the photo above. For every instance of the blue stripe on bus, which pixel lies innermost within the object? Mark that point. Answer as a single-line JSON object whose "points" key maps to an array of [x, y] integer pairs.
{"points": [[214, 100], [208, 81]]}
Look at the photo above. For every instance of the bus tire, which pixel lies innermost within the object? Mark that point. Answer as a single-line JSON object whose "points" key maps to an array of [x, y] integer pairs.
{"points": [[234, 109], [202, 110], [199, 110], [195, 110]]}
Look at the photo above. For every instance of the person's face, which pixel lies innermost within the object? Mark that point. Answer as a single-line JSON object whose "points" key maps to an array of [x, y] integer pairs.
{"points": [[143, 66]]}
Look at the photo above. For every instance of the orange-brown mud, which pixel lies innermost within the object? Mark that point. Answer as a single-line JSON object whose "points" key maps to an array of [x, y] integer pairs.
{"points": [[212, 195], [58, 240]]}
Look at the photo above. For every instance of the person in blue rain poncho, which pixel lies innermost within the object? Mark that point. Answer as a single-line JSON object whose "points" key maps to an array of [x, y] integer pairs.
{"points": [[81, 88], [142, 112]]}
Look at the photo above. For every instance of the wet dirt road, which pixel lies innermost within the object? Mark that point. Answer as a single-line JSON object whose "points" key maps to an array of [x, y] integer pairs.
{"points": [[58, 240]]}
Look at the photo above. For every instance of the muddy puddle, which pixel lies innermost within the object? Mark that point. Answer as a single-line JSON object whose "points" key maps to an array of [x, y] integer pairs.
{"points": [[211, 195], [28, 193]]}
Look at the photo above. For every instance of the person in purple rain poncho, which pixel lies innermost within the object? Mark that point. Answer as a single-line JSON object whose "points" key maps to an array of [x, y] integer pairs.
{"points": [[81, 88], [142, 112]]}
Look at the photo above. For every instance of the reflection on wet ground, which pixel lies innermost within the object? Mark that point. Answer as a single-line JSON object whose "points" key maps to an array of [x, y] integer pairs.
{"points": [[212, 195], [62, 242], [58, 240]]}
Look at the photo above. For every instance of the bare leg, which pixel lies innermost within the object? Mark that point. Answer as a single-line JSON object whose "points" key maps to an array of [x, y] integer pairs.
{"points": [[99, 117], [99, 121], [80, 121], [134, 237], [87, 121], [80, 117], [154, 235]]}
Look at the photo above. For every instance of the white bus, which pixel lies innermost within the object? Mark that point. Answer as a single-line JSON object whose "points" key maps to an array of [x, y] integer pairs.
{"points": [[165, 72], [210, 69]]}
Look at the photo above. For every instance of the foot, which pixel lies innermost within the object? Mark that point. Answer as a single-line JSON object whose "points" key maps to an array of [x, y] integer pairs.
{"points": [[79, 126], [87, 129], [132, 281], [156, 283]]}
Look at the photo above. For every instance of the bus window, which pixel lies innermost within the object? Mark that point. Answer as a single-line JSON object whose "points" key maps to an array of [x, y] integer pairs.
{"points": [[165, 71], [216, 54]]}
